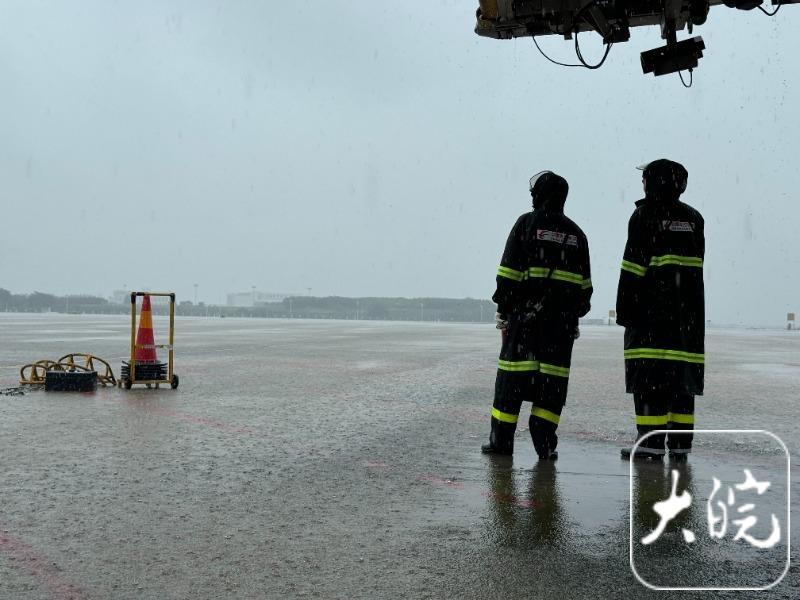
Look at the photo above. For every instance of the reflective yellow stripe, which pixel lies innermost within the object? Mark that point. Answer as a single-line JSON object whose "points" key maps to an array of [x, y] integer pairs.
{"points": [[632, 267], [674, 259], [661, 354], [684, 418], [545, 414], [532, 365], [558, 275], [567, 276], [538, 272], [518, 365], [504, 417], [651, 419], [509, 273], [543, 272], [553, 370]]}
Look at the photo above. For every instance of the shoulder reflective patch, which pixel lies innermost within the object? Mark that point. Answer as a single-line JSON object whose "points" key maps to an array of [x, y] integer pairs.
{"points": [[677, 226], [557, 237]]}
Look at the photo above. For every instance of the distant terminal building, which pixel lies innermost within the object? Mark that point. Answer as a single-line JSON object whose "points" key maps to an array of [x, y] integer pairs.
{"points": [[255, 298]]}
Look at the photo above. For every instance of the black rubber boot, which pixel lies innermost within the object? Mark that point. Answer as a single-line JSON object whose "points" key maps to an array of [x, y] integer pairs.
{"points": [[501, 439], [492, 449], [545, 440], [625, 454]]}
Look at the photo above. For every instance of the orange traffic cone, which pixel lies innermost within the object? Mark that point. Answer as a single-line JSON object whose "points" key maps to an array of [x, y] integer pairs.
{"points": [[145, 344]]}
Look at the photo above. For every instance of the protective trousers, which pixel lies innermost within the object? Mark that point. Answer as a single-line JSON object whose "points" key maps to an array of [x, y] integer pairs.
{"points": [[533, 367], [664, 410]]}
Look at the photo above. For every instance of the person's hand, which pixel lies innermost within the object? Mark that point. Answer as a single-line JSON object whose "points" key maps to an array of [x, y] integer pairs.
{"points": [[500, 321], [577, 333]]}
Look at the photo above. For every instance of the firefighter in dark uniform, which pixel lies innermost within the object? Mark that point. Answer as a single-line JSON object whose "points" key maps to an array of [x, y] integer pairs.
{"points": [[543, 287], [660, 302]]}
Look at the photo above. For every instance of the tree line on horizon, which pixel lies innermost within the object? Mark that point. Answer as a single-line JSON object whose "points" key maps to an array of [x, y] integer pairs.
{"points": [[468, 310]]}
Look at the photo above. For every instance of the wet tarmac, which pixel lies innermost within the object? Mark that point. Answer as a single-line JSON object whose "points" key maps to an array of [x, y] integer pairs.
{"points": [[340, 460]]}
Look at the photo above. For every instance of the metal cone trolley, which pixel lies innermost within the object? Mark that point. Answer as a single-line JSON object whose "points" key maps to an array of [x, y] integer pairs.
{"points": [[149, 373]]}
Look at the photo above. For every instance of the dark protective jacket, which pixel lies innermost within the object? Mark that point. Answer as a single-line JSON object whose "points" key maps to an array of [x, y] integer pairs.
{"points": [[660, 298], [541, 240]]}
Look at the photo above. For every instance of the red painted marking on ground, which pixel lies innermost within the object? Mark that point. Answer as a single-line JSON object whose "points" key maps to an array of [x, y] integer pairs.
{"points": [[24, 558], [197, 420]]}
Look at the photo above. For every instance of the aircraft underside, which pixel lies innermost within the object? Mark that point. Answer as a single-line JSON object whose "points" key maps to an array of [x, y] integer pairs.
{"points": [[612, 20]]}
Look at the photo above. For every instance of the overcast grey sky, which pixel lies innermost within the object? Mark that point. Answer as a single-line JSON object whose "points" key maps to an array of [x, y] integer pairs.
{"points": [[365, 148]]}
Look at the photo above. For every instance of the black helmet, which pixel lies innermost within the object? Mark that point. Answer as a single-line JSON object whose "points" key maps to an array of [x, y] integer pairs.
{"points": [[548, 191], [664, 177]]}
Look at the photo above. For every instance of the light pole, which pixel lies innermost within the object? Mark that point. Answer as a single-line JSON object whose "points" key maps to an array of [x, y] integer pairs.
{"points": [[358, 308], [195, 294], [421, 311]]}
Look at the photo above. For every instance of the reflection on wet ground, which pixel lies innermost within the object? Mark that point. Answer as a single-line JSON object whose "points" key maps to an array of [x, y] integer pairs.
{"points": [[332, 459], [543, 522]]}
